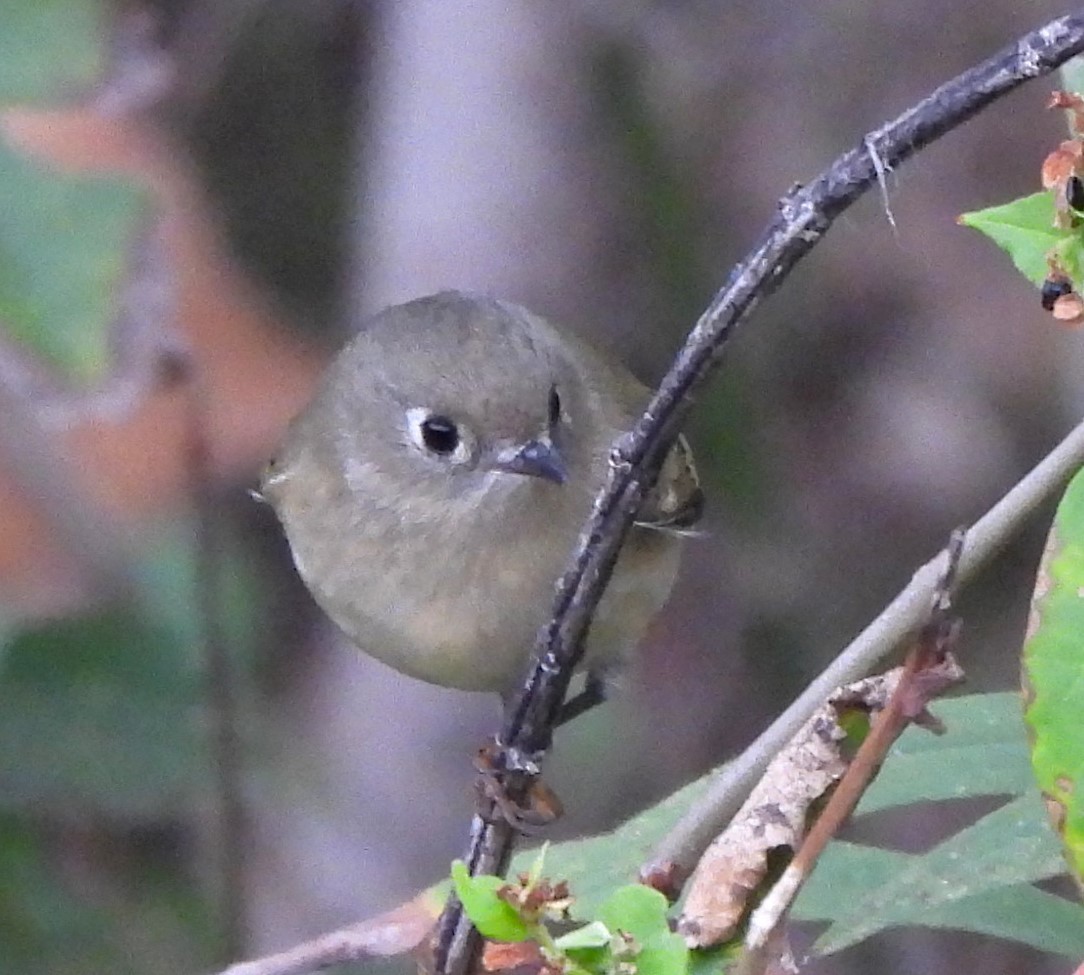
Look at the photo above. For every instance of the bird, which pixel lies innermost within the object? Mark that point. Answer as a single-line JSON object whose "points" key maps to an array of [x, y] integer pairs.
{"points": [[433, 490]]}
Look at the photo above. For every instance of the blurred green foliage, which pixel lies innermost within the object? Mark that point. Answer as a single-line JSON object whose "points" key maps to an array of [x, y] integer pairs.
{"points": [[65, 242], [65, 246], [105, 773], [104, 764], [50, 49], [99, 714]]}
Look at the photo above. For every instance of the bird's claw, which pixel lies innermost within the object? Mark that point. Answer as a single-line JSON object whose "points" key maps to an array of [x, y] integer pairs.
{"points": [[533, 806]]}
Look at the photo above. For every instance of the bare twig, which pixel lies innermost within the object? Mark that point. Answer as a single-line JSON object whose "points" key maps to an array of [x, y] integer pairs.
{"points": [[897, 622], [927, 671], [805, 216], [395, 933], [219, 678], [773, 819]]}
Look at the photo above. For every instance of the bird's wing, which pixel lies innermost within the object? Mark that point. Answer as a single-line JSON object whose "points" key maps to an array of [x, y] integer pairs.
{"points": [[676, 502]]}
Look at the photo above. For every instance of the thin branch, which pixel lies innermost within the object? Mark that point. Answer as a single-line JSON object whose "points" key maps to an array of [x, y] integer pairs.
{"points": [[218, 671], [928, 671], [898, 622], [398, 931], [805, 216], [774, 818]]}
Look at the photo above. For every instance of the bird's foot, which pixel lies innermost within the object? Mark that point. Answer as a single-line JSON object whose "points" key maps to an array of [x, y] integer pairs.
{"points": [[510, 787]]}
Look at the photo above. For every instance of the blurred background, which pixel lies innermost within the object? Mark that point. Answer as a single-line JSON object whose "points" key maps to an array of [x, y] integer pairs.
{"points": [[200, 199]]}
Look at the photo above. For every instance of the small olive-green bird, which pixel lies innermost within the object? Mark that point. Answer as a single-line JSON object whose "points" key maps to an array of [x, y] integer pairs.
{"points": [[434, 488]]}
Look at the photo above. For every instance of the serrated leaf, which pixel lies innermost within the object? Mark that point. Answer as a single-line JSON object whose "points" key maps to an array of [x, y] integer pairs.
{"points": [[493, 917], [982, 753], [1025, 230], [1053, 669], [1011, 846]]}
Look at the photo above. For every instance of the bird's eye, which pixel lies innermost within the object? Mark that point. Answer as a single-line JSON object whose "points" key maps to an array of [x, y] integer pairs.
{"points": [[440, 435], [555, 407]]}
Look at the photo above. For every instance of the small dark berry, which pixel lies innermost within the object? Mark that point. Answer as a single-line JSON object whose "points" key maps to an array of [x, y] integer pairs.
{"points": [[1053, 288]]}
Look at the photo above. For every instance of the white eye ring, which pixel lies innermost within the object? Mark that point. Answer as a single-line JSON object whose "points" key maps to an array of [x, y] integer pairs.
{"points": [[438, 435]]}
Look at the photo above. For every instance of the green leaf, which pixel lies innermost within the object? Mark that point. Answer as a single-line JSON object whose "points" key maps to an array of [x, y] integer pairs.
{"points": [[593, 935], [66, 242], [100, 713], [1025, 230], [715, 961], [666, 955], [50, 49], [843, 876], [1018, 912], [641, 912], [594, 866], [982, 753], [865, 890], [493, 917], [1053, 668], [636, 910]]}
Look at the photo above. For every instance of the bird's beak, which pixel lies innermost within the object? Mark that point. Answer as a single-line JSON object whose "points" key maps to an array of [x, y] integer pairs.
{"points": [[535, 458]]}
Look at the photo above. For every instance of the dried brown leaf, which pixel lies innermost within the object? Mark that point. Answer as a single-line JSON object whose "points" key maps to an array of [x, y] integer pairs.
{"points": [[773, 817]]}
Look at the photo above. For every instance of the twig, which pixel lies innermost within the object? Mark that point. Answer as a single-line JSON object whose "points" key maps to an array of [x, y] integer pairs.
{"points": [[882, 182], [805, 216], [219, 678], [395, 932], [927, 671], [896, 623], [774, 818], [899, 620]]}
